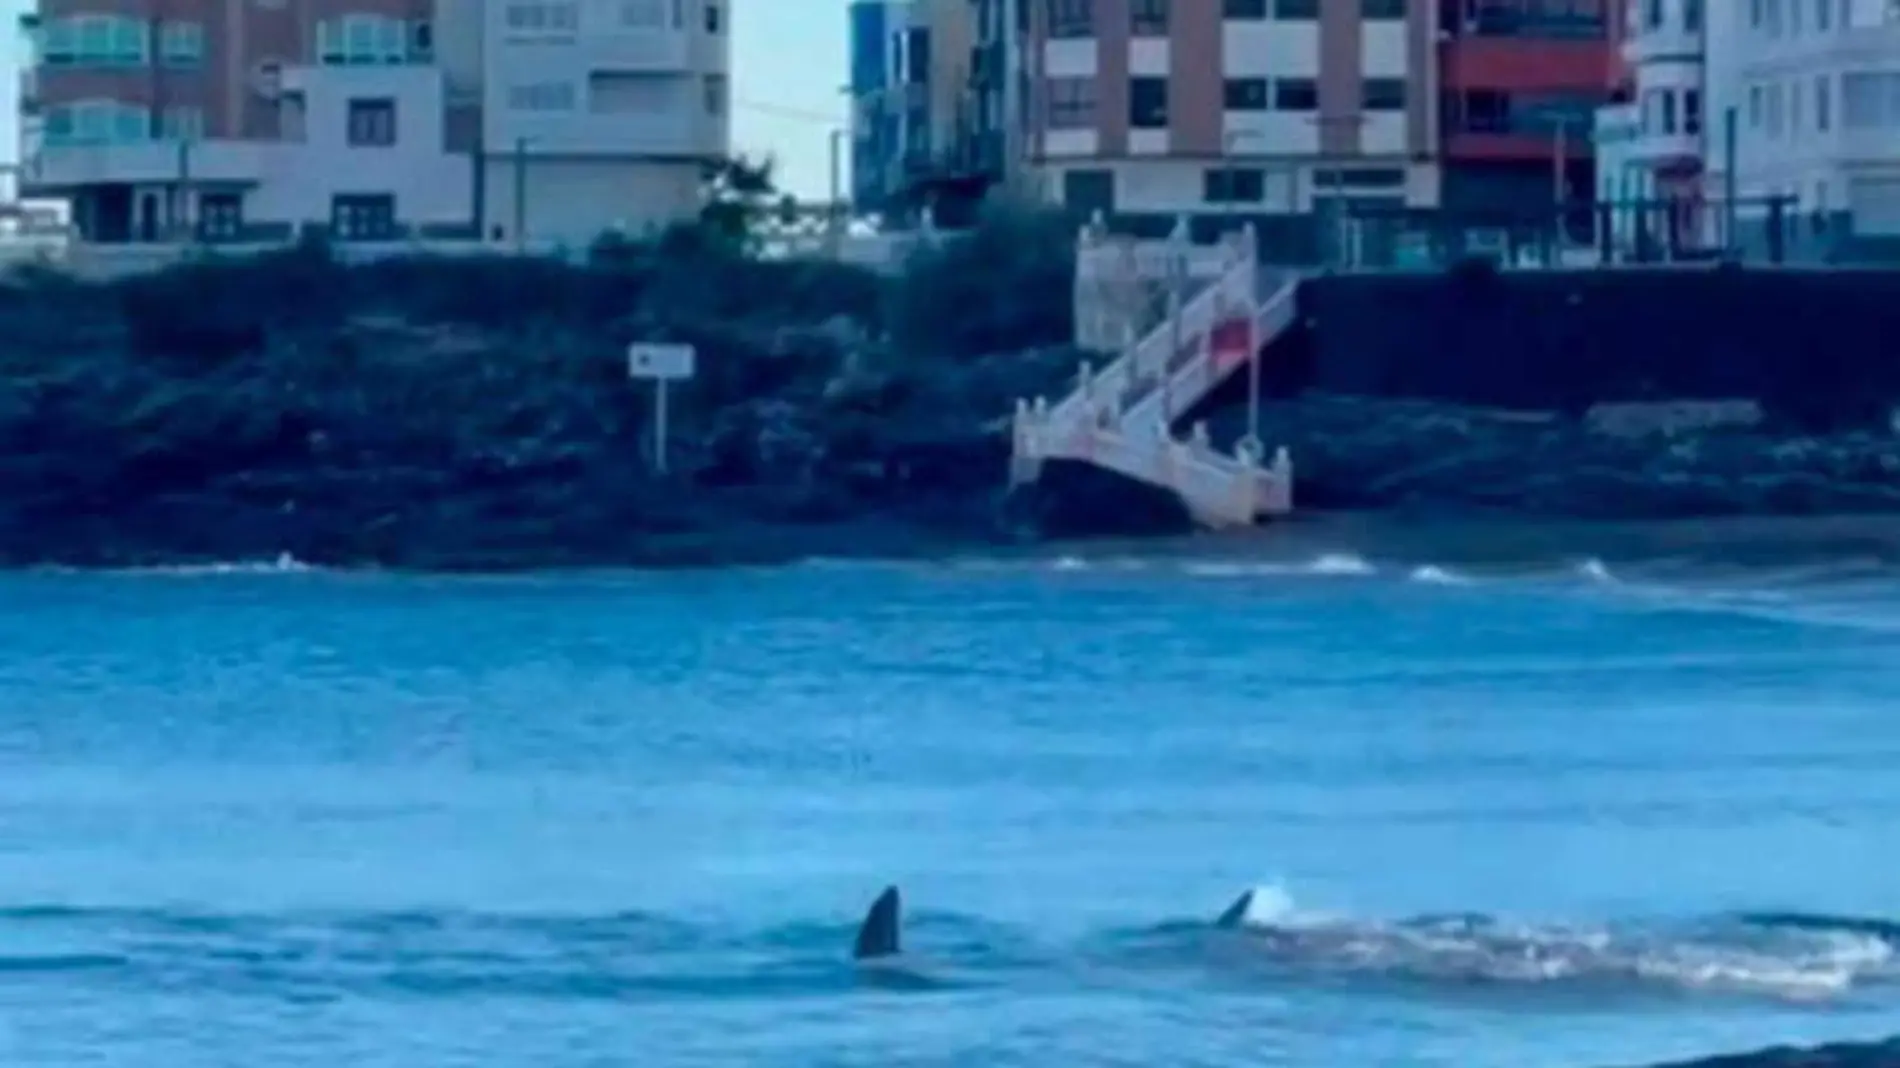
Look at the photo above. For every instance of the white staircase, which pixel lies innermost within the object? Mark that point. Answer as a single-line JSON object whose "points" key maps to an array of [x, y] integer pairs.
{"points": [[1121, 416]]}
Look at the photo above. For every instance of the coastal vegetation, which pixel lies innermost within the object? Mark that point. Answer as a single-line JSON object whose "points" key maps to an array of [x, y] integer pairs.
{"points": [[475, 411]]}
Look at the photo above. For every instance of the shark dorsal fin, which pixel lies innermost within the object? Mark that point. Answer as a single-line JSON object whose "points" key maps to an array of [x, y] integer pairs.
{"points": [[1236, 914], [878, 934]]}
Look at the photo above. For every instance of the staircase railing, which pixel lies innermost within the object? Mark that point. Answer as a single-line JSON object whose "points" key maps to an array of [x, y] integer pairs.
{"points": [[1121, 417]]}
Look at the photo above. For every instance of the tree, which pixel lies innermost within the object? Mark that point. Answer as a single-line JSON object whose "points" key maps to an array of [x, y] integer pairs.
{"points": [[740, 194]]}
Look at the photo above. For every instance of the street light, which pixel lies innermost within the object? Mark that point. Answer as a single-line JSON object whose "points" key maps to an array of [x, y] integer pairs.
{"points": [[1251, 443]]}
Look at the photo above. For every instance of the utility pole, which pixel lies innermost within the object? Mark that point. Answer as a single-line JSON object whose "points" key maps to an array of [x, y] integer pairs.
{"points": [[1337, 162], [834, 211], [1730, 122], [1559, 187], [184, 217], [1253, 353], [521, 195]]}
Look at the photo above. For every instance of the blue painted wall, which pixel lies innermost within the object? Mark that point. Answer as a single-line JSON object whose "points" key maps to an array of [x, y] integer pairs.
{"points": [[873, 139]]}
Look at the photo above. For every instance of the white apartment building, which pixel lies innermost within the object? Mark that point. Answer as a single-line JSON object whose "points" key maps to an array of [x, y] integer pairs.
{"points": [[537, 122], [598, 114], [1811, 90], [1815, 88]]}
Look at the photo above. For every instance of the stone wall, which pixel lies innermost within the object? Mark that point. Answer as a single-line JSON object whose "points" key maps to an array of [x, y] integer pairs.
{"points": [[1814, 348]]}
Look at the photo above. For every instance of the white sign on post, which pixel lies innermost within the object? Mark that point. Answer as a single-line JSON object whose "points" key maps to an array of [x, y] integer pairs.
{"points": [[660, 365]]}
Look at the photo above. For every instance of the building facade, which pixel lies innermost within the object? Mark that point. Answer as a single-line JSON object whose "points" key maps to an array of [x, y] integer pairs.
{"points": [[1814, 86], [519, 121], [1653, 136], [911, 97], [1802, 96], [1520, 82], [1145, 110]]}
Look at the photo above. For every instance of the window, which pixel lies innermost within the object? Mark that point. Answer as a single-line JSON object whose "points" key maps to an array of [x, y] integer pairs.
{"points": [[715, 94], [1823, 14], [1089, 190], [643, 14], [1148, 103], [1390, 10], [1244, 9], [220, 216], [1667, 100], [181, 123], [1383, 94], [95, 41], [540, 18], [1148, 18], [712, 18], [1692, 112], [1296, 9], [97, 122], [372, 122], [1071, 103], [1233, 185], [1692, 15], [1652, 14], [1245, 94], [1870, 100], [181, 44], [1071, 18], [1823, 103], [362, 41], [541, 96], [363, 216], [1295, 94]]}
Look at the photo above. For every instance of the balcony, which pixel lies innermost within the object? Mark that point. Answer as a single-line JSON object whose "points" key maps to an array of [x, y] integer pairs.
{"points": [[1536, 19], [1664, 44], [1621, 141], [1487, 125], [642, 52], [1519, 64], [1859, 47], [155, 162]]}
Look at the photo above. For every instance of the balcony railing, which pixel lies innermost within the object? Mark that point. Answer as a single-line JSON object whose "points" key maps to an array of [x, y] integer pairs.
{"points": [[1580, 19]]}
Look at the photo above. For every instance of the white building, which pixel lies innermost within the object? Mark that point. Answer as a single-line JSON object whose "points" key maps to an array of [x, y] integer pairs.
{"points": [[599, 113], [1811, 92], [1815, 89], [539, 122]]}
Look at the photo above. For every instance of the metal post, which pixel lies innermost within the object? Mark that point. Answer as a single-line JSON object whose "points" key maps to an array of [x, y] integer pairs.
{"points": [[834, 228], [1559, 190], [1177, 299], [1730, 122], [1339, 215], [659, 425], [1253, 366], [182, 207], [521, 194]]}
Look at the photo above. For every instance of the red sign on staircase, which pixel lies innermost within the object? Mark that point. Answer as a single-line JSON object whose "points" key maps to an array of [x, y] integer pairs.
{"points": [[1232, 342]]}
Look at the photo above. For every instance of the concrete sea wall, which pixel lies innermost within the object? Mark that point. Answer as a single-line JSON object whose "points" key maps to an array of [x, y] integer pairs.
{"points": [[1814, 349]]}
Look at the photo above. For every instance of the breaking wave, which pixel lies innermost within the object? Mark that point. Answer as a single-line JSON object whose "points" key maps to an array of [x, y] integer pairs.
{"points": [[1790, 957]]}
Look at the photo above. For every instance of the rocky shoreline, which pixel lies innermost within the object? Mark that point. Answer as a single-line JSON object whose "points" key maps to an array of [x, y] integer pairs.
{"points": [[1877, 1054], [475, 414]]}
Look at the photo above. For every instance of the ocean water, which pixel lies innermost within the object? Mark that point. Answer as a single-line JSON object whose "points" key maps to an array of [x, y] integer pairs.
{"points": [[1580, 814]]}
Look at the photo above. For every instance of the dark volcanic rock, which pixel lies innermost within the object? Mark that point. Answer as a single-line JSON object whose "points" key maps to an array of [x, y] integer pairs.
{"points": [[1419, 456], [1837, 1055], [475, 413]]}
